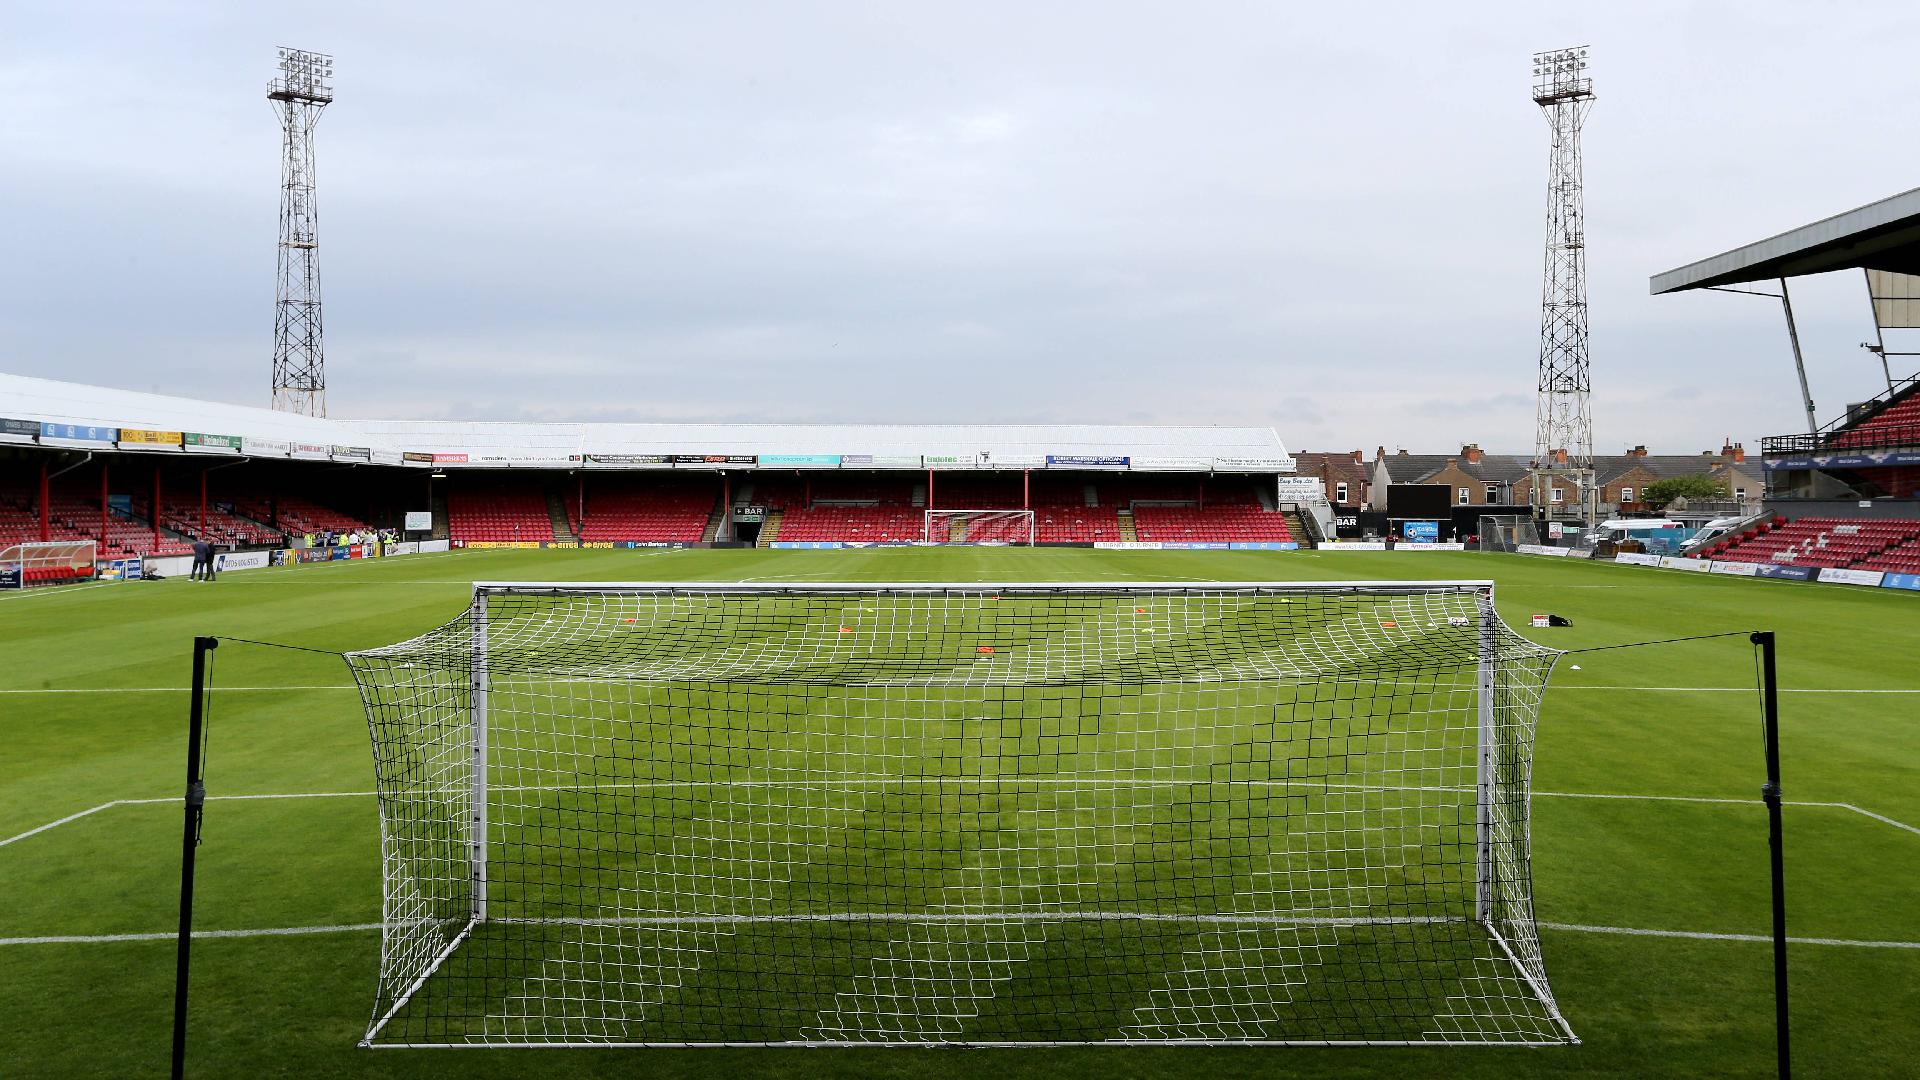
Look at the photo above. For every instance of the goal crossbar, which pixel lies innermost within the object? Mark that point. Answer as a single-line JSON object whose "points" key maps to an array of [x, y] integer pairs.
{"points": [[927, 813]]}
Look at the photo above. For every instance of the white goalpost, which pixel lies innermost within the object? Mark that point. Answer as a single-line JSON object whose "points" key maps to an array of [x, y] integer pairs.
{"points": [[647, 814], [980, 527], [50, 562]]}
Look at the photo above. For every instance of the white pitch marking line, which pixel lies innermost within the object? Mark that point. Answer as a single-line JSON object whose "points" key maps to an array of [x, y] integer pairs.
{"points": [[349, 928], [62, 821], [174, 689], [835, 785], [1702, 935], [270, 931], [350, 686], [63, 590], [1729, 689]]}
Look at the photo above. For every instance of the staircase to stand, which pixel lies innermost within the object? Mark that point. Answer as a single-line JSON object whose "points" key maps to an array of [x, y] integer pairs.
{"points": [[770, 528], [714, 520], [557, 514], [1127, 533], [1297, 525]]}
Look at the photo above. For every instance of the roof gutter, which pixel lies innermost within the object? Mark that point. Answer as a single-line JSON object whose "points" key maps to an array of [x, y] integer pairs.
{"points": [[52, 476]]}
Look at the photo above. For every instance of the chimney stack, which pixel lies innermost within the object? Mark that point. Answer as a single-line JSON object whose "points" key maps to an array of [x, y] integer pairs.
{"points": [[1358, 459], [1559, 457], [1732, 451], [1472, 453], [1638, 451]]}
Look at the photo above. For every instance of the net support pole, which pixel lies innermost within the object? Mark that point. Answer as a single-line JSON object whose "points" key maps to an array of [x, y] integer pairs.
{"points": [[196, 799], [477, 837], [1487, 763], [1770, 794]]}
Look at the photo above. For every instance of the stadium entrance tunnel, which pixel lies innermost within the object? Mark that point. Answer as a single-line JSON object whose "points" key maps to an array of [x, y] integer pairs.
{"points": [[850, 814]]}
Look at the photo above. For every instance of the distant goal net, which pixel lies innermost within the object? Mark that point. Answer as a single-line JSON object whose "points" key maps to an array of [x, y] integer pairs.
{"points": [[1507, 532], [54, 562], [652, 814], [980, 527]]}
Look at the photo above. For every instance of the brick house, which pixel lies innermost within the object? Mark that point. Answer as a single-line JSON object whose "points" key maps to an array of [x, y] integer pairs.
{"points": [[1477, 478], [1345, 476]]}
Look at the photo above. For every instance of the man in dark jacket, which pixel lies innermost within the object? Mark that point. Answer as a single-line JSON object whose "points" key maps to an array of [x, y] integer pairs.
{"points": [[202, 561]]}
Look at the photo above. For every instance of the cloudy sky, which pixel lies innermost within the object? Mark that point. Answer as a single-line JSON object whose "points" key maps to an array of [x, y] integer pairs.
{"points": [[1328, 220]]}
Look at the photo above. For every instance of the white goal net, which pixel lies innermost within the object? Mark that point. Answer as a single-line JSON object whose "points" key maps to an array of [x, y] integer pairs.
{"points": [[655, 814], [52, 562], [980, 527]]}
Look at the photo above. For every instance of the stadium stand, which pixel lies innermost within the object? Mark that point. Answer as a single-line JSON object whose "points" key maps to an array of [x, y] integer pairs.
{"points": [[508, 510], [1076, 524], [73, 516], [872, 508], [222, 527], [869, 524], [1838, 543], [1213, 523], [1895, 422], [297, 514], [644, 510]]}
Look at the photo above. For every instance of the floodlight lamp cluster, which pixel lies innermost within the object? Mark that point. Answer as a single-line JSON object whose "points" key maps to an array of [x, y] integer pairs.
{"points": [[303, 74], [1559, 76]]}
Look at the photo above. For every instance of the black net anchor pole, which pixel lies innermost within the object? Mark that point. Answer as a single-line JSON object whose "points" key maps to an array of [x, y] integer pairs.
{"points": [[1770, 730], [189, 840]]}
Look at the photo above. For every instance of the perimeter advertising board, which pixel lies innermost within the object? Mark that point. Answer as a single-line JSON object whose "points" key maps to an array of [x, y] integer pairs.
{"points": [[801, 461], [202, 443], [1299, 489], [147, 437], [625, 460], [79, 433], [715, 459]]}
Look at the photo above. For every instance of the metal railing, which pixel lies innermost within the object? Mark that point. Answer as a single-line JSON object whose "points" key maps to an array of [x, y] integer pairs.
{"points": [[1843, 434]]}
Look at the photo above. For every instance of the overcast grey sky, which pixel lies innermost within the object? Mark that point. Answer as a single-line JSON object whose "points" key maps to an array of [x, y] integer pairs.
{"points": [[1327, 219]]}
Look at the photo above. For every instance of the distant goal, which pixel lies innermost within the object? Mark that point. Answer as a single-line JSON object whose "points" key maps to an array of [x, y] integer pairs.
{"points": [[913, 814], [54, 562], [980, 527]]}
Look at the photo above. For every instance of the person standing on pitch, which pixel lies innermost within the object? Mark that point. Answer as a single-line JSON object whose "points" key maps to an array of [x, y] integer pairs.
{"points": [[202, 561]]}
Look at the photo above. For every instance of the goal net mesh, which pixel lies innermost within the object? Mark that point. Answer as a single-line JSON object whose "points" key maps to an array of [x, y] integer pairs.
{"points": [[979, 527], [1506, 532], [651, 814]]}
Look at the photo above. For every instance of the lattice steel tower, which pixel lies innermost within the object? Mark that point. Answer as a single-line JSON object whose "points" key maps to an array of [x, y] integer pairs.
{"points": [[305, 87], [1563, 438]]}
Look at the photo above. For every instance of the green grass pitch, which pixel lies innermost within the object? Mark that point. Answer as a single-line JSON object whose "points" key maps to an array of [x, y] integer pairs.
{"points": [[92, 713]]}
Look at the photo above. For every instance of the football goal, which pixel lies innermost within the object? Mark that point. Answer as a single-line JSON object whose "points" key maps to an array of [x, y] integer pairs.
{"points": [[52, 562], [1506, 532], [980, 527], [910, 814]]}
